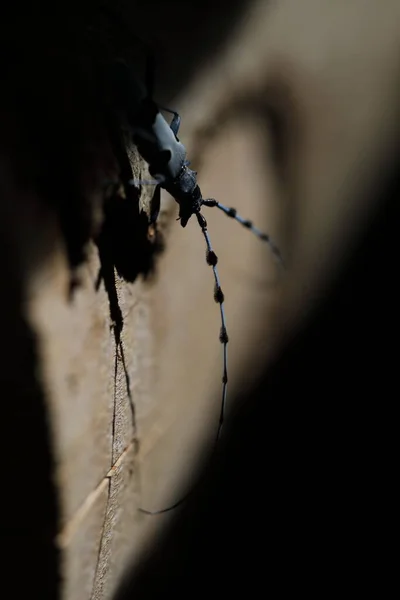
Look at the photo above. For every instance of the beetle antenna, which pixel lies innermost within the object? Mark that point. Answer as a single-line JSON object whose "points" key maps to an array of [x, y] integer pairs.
{"points": [[232, 212], [212, 260]]}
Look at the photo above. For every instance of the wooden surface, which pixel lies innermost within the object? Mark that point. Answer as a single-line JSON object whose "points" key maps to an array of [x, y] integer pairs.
{"points": [[128, 431], [174, 366]]}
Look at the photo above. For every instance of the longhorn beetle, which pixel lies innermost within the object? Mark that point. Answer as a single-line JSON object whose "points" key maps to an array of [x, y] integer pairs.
{"points": [[158, 144]]}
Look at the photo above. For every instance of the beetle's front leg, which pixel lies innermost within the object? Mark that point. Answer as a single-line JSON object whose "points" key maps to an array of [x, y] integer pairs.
{"points": [[176, 120]]}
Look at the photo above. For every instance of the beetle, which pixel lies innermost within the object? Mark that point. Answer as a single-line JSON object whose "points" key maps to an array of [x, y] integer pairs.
{"points": [[158, 144]]}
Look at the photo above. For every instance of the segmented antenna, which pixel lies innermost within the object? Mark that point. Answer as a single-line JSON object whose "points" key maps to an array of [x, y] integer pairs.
{"points": [[232, 212], [212, 260]]}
